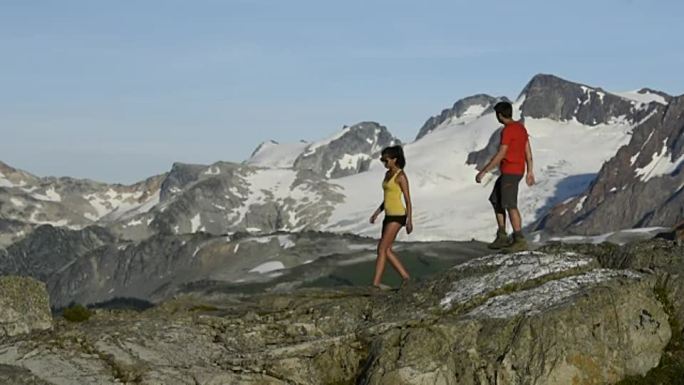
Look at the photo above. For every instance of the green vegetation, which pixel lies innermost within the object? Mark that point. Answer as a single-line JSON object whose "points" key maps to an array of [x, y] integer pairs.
{"points": [[77, 313], [203, 308], [361, 274]]}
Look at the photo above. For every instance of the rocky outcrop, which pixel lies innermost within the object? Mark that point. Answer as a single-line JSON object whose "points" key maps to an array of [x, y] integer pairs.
{"points": [[552, 317], [663, 259], [24, 306], [16, 375], [462, 112], [12, 230], [347, 153], [641, 186]]}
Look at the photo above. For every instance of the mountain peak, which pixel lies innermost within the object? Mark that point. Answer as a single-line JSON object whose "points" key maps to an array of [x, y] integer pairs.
{"points": [[545, 82], [263, 145], [551, 97], [12, 177], [656, 92], [274, 154], [463, 111], [347, 152]]}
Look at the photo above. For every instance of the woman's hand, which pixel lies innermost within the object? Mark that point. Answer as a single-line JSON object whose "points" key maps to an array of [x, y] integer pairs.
{"points": [[409, 226], [374, 217]]}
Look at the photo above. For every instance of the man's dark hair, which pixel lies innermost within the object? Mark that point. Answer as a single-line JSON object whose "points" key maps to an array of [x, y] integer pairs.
{"points": [[395, 152], [505, 109]]}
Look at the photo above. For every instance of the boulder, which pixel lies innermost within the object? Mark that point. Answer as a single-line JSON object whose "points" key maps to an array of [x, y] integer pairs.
{"points": [[24, 306]]}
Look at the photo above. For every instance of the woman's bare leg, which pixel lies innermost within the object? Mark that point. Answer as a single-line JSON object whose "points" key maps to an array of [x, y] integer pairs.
{"points": [[388, 236], [396, 263]]}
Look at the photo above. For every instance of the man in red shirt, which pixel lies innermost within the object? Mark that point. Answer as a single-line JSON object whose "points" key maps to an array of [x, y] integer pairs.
{"points": [[513, 157]]}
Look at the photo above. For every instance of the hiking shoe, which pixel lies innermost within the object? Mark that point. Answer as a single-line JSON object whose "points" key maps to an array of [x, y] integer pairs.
{"points": [[500, 242], [405, 283], [382, 287], [519, 244]]}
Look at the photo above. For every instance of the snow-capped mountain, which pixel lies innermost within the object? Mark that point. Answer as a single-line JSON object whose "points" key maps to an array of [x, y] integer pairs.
{"points": [[272, 154], [280, 188], [27, 201], [228, 197], [334, 184], [548, 96], [574, 129], [347, 152], [462, 112], [641, 186]]}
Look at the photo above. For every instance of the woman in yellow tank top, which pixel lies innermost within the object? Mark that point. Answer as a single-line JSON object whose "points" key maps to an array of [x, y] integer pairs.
{"points": [[395, 186]]}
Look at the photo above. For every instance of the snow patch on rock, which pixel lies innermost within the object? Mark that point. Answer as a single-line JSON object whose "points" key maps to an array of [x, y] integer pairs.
{"points": [[268, 267], [510, 269], [549, 294]]}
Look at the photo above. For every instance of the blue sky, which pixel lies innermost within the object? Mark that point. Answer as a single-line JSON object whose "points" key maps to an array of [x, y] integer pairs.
{"points": [[118, 90]]}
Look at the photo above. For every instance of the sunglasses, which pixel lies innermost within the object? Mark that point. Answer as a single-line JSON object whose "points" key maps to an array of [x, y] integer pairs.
{"points": [[383, 160]]}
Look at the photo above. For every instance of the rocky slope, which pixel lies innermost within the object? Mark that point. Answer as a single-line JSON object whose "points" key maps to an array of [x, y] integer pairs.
{"points": [[591, 315], [641, 186], [92, 266]]}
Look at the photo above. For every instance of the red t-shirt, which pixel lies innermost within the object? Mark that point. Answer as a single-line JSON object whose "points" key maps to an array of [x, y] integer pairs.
{"points": [[515, 136]]}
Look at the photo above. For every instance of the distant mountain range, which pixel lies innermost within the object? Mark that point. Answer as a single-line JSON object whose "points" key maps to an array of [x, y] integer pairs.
{"points": [[605, 161]]}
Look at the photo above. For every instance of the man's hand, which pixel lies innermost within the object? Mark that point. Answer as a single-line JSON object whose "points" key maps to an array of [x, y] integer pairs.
{"points": [[479, 176], [409, 227], [530, 179]]}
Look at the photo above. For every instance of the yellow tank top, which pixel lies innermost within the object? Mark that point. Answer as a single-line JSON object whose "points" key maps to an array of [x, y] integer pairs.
{"points": [[393, 203]]}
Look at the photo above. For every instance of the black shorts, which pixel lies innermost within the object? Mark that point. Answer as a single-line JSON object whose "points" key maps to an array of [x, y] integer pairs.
{"points": [[505, 193], [401, 219]]}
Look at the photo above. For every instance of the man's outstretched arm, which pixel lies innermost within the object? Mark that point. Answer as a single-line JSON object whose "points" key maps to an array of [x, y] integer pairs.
{"points": [[495, 161]]}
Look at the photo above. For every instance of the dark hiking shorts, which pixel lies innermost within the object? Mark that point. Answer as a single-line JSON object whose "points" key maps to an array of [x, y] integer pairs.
{"points": [[505, 193], [401, 219]]}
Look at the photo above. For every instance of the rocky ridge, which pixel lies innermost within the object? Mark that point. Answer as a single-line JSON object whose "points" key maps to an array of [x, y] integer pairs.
{"points": [[547, 317], [463, 111]]}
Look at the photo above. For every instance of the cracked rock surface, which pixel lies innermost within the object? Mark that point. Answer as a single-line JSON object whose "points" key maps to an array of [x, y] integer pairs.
{"points": [[558, 316]]}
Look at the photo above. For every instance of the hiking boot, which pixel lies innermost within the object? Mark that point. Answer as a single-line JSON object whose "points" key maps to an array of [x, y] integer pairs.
{"points": [[500, 242], [519, 243]]}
